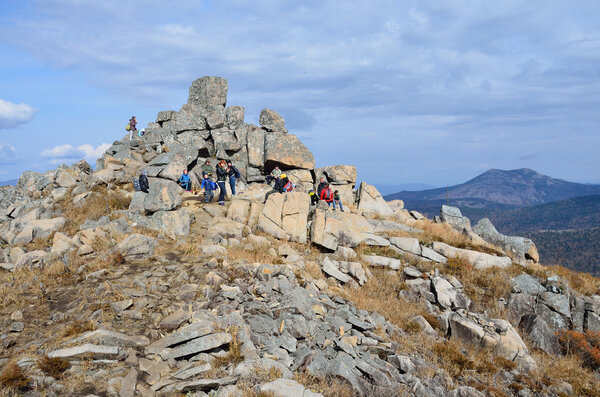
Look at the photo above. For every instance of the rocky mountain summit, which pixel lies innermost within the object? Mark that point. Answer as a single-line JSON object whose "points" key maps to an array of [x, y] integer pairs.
{"points": [[107, 291]]}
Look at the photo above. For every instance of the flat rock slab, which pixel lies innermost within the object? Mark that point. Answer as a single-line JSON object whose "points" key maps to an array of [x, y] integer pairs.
{"points": [[198, 345], [129, 383], [111, 338], [287, 388], [200, 384], [183, 335], [96, 351]]}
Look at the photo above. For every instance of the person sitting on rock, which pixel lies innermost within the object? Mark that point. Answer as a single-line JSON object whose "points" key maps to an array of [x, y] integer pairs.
{"points": [[287, 186], [326, 194], [208, 186], [275, 175], [281, 183], [320, 187], [337, 200], [144, 186], [313, 197], [185, 182], [233, 173], [221, 178], [132, 128], [207, 169]]}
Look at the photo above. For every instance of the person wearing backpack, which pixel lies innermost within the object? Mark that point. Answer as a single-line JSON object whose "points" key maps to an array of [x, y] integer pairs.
{"points": [[208, 186], [131, 126], [337, 200], [327, 194], [234, 174], [143, 182], [185, 182], [221, 178], [280, 185]]}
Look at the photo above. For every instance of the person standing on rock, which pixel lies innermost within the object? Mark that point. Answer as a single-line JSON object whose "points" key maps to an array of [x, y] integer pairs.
{"points": [[221, 179], [144, 186], [185, 182], [132, 128], [207, 169], [313, 197], [326, 194], [209, 186], [337, 200], [320, 187], [275, 175], [233, 173]]}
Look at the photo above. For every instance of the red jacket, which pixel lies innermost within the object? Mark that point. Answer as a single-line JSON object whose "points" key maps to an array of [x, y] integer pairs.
{"points": [[326, 194]]}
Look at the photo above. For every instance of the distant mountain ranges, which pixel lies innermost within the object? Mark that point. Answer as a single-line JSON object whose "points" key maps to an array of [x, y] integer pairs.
{"points": [[561, 217]]}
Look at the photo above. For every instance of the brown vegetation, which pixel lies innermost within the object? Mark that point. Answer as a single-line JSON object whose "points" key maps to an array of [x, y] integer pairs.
{"points": [[53, 367], [13, 380]]}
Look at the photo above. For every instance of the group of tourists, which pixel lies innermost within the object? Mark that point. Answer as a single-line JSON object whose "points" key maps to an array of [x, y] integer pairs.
{"points": [[225, 172], [324, 193]]}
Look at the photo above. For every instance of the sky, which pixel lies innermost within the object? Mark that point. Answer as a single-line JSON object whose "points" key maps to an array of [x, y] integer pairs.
{"points": [[431, 92]]}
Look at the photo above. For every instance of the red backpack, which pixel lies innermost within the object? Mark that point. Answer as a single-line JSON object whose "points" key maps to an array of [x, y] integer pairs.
{"points": [[327, 194]]}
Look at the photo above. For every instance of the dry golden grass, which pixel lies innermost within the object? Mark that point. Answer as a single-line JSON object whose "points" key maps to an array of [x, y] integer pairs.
{"points": [[256, 255], [314, 270], [13, 380], [375, 295], [100, 203], [570, 369], [581, 282], [328, 387], [249, 383], [53, 367], [40, 243]]}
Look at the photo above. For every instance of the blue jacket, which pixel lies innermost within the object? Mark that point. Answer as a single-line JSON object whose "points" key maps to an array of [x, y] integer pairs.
{"points": [[184, 178], [207, 184]]}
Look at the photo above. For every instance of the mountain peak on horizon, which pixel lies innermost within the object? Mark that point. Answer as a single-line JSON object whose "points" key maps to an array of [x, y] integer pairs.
{"points": [[521, 187]]}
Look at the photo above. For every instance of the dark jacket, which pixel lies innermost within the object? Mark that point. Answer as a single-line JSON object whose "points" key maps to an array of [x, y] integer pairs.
{"points": [[233, 171], [144, 186], [320, 188], [281, 183], [221, 174]]}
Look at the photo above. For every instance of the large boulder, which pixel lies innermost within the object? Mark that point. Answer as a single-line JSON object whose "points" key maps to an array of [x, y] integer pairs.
{"points": [[174, 223], [522, 248], [208, 91], [371, 201], [164, 195], [286, 151], [272, 121], [256, 146], [137, 245], [541, 335], [453, 217], [324, 230], [479, 260], [337, 174], [285, 216]]}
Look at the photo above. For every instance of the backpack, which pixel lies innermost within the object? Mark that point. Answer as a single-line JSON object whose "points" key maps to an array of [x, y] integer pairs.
{"points": [[236, 172], [328, 194], [136, 185], [128, 127], [213, 185], [288, 187]]}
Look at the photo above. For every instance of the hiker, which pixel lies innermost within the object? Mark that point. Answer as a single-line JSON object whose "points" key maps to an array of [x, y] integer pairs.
{"points": [[208, 186], [320, 187], [337, 199], [313, 197], [143, 181], [185, 182], [142, 132], [275, 175], [206, 168], [221, 178], [281, 183], [326, 194], [286, 184], [131, 126], [234, 174]]}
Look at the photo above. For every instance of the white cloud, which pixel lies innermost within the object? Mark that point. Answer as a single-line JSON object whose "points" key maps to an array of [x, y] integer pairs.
{"points": [[8, 154], [66, 153], [14, 114]]}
